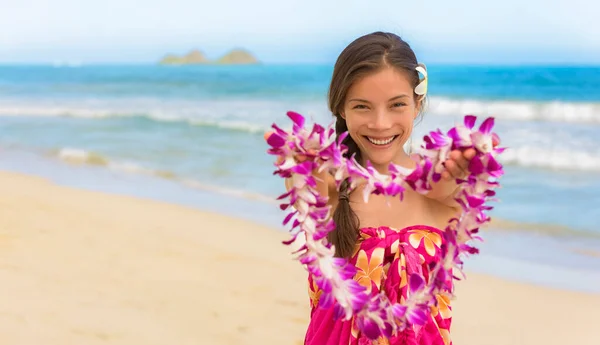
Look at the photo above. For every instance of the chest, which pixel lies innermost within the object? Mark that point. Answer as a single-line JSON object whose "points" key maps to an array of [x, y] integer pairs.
{"points": [[387, 211]]}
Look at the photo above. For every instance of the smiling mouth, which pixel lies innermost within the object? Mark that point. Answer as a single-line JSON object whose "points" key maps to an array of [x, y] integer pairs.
{"points": [[381, 141]]}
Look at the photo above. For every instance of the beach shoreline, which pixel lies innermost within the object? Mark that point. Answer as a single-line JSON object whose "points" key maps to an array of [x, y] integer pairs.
{"points": [[81, 266], [531, 256]]}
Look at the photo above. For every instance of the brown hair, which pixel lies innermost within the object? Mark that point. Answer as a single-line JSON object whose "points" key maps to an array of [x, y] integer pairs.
{"points": [[365, 55]]}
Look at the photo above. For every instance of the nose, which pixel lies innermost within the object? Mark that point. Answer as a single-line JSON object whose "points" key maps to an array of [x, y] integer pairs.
{"points": [[380, 121]]}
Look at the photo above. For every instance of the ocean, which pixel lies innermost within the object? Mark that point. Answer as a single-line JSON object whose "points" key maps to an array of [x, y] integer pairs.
{"points": [[199, 129]]}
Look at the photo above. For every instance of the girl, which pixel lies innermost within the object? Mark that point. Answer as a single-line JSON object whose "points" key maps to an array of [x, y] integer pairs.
{"points": [[376, 94]]}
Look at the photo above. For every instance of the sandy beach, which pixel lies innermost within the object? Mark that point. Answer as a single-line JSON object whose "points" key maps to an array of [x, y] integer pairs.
{"points": [[81, 267]]}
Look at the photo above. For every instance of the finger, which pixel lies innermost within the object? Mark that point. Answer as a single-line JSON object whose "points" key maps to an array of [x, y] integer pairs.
{"points": [[267, 135], [309, 154], [495, 140], [463, 164], [457, 157], [446, 175], [469, 154], [455, 170], [455, 154]]}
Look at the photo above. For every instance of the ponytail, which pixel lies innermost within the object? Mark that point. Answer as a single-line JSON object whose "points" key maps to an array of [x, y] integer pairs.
{"points": [[345, 234]]}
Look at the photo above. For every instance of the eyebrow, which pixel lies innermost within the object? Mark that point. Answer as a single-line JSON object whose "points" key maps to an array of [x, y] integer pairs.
{"points": [[391, 99]]}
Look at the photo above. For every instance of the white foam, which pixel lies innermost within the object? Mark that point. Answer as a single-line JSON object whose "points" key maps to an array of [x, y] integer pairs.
{"points": [[73, 154], [519, 110], [235, 125], [548, 145], [252, 116], [263, 112], [81, 156], [560, 159], [536, 153]]}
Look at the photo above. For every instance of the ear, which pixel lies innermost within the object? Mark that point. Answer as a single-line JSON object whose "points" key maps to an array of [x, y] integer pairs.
{"points": [[343, 115], [419, 105]]}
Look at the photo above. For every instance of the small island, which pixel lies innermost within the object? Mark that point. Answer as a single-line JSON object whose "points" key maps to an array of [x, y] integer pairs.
{"points": [[196, 57], [192, 58]]}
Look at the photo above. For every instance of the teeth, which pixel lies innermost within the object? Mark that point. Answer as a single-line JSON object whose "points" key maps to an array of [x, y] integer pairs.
{"points": [[381, 142]]}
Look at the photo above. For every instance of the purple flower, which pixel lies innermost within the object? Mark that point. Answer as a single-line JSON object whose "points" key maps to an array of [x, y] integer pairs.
{"points": [[470, 121], [296, 118], [399, 310], [418, 315], [309, 216], [369, 328]]}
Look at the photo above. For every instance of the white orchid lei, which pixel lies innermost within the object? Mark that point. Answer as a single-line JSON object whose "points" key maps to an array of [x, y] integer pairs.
{"points": [[376, 315]]}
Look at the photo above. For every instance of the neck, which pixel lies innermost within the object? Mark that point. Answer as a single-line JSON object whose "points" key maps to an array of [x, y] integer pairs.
{"points": [[402, 160]]}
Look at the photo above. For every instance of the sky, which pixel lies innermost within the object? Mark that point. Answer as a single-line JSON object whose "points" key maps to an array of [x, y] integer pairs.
{"points": [[292, 31]]}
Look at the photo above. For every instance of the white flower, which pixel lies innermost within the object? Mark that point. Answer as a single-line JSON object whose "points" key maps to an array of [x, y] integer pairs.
{"points": [[421, 89]]}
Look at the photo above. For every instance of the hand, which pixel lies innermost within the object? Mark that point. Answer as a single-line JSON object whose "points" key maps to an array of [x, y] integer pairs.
{"points": [[457, 165]]}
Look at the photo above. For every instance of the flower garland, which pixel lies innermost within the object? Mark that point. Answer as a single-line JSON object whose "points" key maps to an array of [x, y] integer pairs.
{"points": [[376, 315]]}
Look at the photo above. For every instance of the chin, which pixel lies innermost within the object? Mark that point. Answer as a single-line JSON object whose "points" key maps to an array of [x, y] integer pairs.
{"points": [[381, 159]]}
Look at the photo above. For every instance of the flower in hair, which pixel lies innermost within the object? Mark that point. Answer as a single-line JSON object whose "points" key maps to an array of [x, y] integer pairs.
{"points": [[421, 89]]}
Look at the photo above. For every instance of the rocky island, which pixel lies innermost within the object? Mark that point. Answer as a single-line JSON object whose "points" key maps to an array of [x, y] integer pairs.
{"points": [[196, 57], [191, 58]]}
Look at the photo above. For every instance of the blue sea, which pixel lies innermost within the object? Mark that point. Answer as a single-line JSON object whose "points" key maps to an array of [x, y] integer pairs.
{"points": [[194, 135]]}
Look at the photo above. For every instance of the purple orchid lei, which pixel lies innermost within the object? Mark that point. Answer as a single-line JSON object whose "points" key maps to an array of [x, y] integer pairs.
{"points": [[376, 316]]}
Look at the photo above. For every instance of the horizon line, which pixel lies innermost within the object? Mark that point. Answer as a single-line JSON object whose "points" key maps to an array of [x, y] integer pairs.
{"points": [[59, 63]]}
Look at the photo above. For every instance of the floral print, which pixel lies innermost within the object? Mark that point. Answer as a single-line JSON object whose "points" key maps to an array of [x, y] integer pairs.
{"points": [[384, 257], [369, 269], [427, 239]]}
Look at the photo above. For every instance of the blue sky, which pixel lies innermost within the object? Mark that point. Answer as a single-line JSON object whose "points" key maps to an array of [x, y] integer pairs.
{"points": [[458, 31]]}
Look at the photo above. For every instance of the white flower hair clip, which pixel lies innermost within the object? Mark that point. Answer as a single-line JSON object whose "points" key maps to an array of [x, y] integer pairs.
{"points": [[421, 89]]}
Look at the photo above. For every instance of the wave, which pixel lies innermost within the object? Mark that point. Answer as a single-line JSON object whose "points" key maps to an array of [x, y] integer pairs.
{"points": [[556, 159], [83, 157], [569, 112], [525, 156], [256, 115], [240, 120], [546, 158], [232, 125], [80, 156]]}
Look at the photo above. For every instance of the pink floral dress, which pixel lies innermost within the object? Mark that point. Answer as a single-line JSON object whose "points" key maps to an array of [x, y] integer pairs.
{"points": [[383, 258]]}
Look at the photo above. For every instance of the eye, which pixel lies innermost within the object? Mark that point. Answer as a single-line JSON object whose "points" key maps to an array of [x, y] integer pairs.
{"points": [[360, 106], [399, 104]]}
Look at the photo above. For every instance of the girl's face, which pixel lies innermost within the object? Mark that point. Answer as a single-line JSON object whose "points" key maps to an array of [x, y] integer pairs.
{"points": [[380, 111]]}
